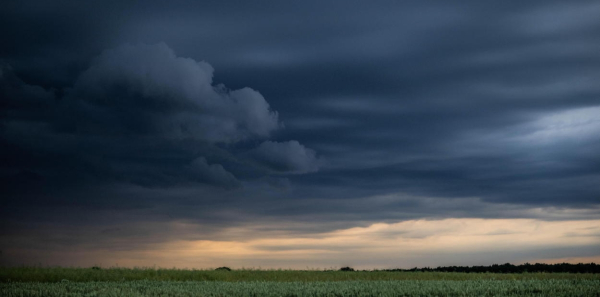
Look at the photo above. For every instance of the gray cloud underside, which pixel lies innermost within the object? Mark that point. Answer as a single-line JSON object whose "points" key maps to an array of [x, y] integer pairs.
{"points": [[488, 110], [286, 157], [139, 114]]}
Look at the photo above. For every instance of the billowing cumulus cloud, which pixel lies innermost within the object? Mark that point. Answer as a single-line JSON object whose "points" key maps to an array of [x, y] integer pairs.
{"points": [[147, 89], [286, 157], [212, 173], [139, 114]]}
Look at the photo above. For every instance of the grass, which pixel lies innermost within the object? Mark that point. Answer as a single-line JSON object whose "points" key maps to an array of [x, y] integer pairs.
{"points": [[58, 281], [499, 288]]}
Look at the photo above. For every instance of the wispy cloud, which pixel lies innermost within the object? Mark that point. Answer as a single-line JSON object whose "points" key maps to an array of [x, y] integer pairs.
{"points": [[381, 245]]}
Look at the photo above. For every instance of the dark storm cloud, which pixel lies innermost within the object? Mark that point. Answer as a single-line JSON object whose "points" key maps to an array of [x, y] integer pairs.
{"points": [[290, 157], [140, 115], [471, 105], [147, 89], [214, 173]]}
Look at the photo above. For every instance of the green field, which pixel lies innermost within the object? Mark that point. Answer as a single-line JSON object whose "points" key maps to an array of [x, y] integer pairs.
{"points": [[547, 287], [29, 281]]}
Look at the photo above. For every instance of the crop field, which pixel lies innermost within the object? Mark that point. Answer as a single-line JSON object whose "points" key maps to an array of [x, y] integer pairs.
{"points": [[172, 282], [341, 288]]}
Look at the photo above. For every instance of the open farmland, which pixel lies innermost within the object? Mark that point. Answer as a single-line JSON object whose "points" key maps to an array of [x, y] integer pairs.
{"points": [[532, 287], [32, 281]]}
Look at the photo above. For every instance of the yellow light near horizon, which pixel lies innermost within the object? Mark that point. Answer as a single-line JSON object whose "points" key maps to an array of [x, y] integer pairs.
{"points": [[418, 238], [380, 245]]}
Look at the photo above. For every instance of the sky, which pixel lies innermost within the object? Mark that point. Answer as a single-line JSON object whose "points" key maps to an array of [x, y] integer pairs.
{"points": [[299, 134]]}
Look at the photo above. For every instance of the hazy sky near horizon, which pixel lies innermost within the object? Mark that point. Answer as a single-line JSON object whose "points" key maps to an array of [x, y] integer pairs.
{"points": [[299, 134]]}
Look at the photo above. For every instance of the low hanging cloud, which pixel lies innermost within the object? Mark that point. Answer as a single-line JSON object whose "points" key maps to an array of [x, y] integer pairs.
{"points": [[212, 173], [20, 101], [147, 89], [286, 157], [139, 114]]}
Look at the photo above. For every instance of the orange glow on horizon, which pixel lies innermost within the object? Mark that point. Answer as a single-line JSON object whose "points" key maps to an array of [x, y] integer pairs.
{"points": [[381, 245]]}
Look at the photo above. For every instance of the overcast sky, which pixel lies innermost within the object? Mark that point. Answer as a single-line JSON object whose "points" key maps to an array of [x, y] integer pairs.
{"points": [[299, 133]]}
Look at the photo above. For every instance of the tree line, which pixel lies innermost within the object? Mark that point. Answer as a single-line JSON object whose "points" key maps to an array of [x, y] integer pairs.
{"points": [[510, 268]]}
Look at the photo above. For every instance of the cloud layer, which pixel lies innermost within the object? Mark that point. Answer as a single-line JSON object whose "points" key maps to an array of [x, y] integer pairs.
{"points": [[286, 157], [393, 111], [147, 89], [139, 114], [412, 243]]}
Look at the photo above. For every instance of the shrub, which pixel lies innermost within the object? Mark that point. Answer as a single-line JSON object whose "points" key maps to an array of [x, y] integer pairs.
{"points": [[346, 269], [224, 268]]}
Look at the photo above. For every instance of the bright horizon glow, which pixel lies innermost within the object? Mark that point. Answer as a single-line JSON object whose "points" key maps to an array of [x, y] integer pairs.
{"points": [[407, 244]]}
